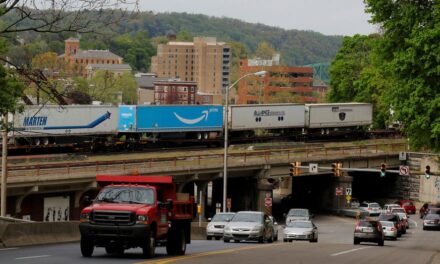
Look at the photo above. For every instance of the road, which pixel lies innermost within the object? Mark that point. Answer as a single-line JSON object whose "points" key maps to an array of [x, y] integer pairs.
{"points": [[335, 246]]}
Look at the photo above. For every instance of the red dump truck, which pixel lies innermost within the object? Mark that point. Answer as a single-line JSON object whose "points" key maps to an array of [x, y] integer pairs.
{"points": [[136, 211]]}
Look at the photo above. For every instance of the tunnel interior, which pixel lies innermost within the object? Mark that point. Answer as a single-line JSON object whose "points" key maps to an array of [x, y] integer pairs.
{"points": [[369, 186]]}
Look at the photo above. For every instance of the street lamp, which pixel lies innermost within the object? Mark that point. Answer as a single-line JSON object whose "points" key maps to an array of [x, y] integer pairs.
{"points": [[226, 125]]}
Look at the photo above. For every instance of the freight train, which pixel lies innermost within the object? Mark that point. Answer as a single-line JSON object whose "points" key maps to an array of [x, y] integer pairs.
{"points": [[98, 125]]}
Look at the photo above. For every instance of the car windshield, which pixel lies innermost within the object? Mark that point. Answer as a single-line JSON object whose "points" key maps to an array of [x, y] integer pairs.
{"points": [[368, 223], [298, 212], [387, 223], [374, 205], [432, 217], [398, 210], [388, 217], [222, 217], [408, 204], [118, 194], [247, 217], [300, 224]]}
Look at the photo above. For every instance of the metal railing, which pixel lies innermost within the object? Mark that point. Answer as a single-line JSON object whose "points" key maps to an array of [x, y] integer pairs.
{"points": [[205, 160]]}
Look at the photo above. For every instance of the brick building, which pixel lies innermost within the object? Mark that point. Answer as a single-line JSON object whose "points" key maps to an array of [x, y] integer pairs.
{"points": [[204, 61], [294, 82], [175, 92]]}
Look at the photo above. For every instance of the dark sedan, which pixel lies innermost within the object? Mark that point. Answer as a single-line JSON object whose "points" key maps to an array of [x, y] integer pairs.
{"points": [[431, 221]]}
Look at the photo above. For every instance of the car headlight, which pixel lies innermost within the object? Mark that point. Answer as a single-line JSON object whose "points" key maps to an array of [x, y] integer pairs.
{"points": [[84, 217], [142, 219]]}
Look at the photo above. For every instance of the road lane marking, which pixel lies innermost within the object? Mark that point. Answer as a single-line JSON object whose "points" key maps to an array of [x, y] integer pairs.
{"points": [[4, 249], [32, 257], [198, 255], [415, 223], [347, 251]]}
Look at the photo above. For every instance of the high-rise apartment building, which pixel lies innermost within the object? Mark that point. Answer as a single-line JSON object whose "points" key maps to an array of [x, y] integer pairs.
{"points": [[204, 61]]}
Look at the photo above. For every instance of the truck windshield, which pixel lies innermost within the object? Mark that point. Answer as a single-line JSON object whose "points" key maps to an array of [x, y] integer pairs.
{"points": [[118, 194]]}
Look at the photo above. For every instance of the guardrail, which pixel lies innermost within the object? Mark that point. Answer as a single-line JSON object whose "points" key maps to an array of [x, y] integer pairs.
{"points": [[247, 157]]}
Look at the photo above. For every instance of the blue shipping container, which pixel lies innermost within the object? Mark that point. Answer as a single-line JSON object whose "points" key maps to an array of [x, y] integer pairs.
{"points": [[172, 118], [127, 118]]}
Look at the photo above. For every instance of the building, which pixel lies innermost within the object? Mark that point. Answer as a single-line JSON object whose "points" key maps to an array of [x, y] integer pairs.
{"points": [[80, 59], [204, 61], [145, 82], [175, 92], [280, 84]]}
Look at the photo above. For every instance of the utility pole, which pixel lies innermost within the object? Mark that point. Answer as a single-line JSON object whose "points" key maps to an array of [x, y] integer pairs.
{"points": [[4, 164]]}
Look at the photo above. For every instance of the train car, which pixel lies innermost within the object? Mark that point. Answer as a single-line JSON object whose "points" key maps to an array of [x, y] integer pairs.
{"points": [[285, 119], [337, 118], [160, 122], [54, 124]]}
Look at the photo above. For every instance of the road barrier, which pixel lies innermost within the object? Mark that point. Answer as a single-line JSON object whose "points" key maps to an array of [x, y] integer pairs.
{"points": [[38, 233]]}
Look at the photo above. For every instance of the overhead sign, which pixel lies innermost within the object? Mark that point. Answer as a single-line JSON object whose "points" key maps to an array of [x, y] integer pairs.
{"points": [[339, 191], [313, 167], [348, 191], [404, 170], [268, 202]]}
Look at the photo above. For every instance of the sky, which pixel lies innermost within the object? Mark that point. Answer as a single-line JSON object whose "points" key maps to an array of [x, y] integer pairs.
{"points": [[329, 17]]}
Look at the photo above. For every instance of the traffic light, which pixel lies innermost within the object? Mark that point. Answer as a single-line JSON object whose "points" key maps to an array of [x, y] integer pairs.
{"points": [[383, 170], [339, 169], [427, 172], [292, 169], [335, 169]]}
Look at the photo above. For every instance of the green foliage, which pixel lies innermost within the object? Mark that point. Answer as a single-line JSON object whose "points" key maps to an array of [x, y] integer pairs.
{"points": [[11, 89], [107, 87], [264, 51]]}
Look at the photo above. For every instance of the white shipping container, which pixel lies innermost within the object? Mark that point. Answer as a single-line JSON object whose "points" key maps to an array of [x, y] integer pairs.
{"points": [[274, 116], [66, 120], [338, 115]]}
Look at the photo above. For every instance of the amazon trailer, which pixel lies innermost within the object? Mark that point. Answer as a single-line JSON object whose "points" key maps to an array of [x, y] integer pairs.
{"points": [[54, 124], [185, 123], [338, 118], [281, 119]]}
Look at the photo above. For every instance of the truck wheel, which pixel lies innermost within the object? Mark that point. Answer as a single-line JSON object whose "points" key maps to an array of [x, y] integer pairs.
{"points": [[176, 245], [150, 245], [208, 237], [86, 247]]}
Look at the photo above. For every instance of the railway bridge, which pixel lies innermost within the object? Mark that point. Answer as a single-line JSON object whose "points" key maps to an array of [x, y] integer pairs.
{"points": [[253, 175]]}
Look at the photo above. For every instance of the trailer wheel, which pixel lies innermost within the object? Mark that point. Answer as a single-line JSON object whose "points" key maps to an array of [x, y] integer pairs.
{"points": [[86, 247], [149, 247]]}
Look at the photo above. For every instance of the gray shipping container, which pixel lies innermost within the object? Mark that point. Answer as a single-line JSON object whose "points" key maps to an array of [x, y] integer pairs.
{"points": [[338, 115], [54, 120], [274, 116]]}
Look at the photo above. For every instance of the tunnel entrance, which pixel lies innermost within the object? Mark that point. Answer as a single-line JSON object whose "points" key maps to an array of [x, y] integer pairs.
{"points": [[369, 186], [313, 192]]}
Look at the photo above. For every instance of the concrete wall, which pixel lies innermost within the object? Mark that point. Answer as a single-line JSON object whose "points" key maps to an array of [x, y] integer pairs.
{"points": [[429, 188], [38, 233]]}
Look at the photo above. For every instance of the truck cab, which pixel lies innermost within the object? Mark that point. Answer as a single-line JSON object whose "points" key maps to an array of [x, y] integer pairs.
{"points": [[136, 211]]}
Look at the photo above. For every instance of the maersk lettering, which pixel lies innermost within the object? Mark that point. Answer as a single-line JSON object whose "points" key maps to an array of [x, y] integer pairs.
{"points": [[35, 121]]}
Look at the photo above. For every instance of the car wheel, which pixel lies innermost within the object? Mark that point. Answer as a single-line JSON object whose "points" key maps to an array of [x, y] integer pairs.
{"points": [[217, 238], [356, 241], [86, 247], [404, 231], [424, 228], [226, 240], [285, 240], [261, 240], [208, 237], [381, 243], [237, 241]]}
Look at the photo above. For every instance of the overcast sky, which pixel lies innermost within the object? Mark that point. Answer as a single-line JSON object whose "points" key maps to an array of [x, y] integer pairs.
{"points": [[330, 17]]}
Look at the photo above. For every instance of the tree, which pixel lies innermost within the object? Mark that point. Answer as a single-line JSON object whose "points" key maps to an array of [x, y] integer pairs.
{"points": [[50, 64], [284, 97], [107, 87], [410, 50], [264, 51]]}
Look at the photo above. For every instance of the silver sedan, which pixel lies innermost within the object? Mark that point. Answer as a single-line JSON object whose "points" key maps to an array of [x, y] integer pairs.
{"points": [[389, 230], [300, 230]]}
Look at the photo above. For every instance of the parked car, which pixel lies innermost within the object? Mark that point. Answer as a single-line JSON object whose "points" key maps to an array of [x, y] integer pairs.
{"points": [[373, 209], [250, 226], [215, 227], [389, 230], [408, 205], [275, 228], [369, 231], [387, 207], [295, 214], [396, 220], [300, 230], [354, 203], [431, 221]]}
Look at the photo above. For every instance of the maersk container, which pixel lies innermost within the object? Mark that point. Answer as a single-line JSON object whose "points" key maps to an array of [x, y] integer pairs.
{"points": [[170, 118], [338, 115], [273, 116], [54, 120]]}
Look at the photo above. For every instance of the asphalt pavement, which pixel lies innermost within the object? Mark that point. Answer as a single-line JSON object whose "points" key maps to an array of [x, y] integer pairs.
{"points": [[335, 246]]}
